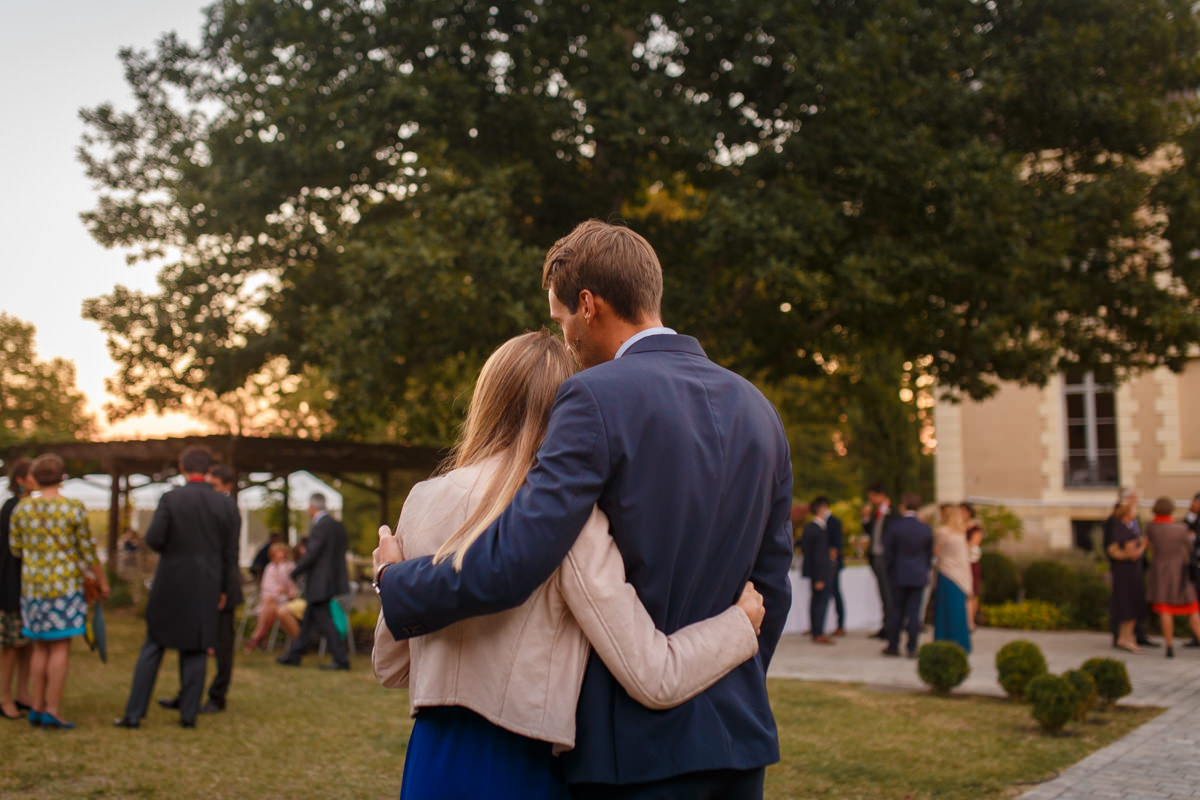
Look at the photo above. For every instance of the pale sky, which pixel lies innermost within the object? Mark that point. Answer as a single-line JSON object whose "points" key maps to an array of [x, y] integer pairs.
{"points": [[56, 57]]}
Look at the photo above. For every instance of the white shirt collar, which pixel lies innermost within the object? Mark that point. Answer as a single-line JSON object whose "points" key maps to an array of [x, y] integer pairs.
{"points": [[637, 337]]}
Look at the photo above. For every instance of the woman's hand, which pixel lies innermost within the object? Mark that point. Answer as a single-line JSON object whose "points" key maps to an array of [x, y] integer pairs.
{"points": [[389, 551], [751, 602]]}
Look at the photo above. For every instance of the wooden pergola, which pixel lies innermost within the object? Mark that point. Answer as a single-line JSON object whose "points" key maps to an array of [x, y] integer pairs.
{"points": [[158, 459]]}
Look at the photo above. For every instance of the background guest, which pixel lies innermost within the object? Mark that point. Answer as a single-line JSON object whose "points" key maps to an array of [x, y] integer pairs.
{"points": [[51, 536], [223, 480], [1125, 549], [950, 621], [817, 567], [324, 567], [277, 589], [1171, 591], [908, 553], [263, 556], [876, 517], [194, 529], [975, 557], [837, 544], [1191, 518], [15, 649]]}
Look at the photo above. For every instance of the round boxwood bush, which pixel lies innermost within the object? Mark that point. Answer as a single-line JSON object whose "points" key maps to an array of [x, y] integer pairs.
{"points": [[1054, 701], [1051, 582], [1111, 676], [1084, 686], [1018, 663], [942, 665], [1000, 578]]}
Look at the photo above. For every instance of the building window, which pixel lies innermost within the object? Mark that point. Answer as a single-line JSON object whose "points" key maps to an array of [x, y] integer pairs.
{"points": [[1091, 431]]}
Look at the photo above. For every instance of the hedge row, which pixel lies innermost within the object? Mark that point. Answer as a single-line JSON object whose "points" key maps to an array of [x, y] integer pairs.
{"points": [[1049, 595]]}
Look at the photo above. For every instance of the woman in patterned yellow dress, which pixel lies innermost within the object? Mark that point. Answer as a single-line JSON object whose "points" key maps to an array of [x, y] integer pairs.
{"points": [[51, 536]]}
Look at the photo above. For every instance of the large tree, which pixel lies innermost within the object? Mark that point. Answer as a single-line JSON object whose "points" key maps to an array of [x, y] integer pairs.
{"points": [[992, 190], [38, 399]]}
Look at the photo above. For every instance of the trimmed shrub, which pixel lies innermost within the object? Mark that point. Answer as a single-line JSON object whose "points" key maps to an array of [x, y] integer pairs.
{"points": [[1001, 583], [1084, 686], [1050, 581], [942, 665], [1054, 701], [1032, 615], [1111, 676], [1018, 663], [1090, 609]]}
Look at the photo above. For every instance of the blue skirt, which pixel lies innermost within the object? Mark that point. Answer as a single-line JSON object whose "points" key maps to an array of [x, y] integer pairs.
{"points": [[48, 619], [950, 614], [455, 754]]}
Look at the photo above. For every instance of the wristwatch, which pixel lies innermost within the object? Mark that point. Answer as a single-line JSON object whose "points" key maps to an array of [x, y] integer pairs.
{"points": [[379, 574]]}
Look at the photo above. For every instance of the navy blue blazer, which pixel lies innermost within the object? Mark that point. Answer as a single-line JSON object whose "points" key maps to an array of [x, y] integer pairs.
{"points": [[908, 551], [690, 463], [833, 526], [814, 544]]}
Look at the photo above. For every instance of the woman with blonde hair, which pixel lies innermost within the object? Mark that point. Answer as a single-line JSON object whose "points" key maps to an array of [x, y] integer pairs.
{"points": [[494, 696], [1170, 588], [51, 536], [953, 568]]}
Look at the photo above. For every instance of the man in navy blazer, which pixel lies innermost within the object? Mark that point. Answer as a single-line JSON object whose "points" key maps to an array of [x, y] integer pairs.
{"points": [[690, 463], [908, 553]]}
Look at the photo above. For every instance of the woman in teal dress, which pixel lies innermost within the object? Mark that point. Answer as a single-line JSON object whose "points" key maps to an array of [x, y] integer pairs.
{"points": [[950, 546], [51, 536]]}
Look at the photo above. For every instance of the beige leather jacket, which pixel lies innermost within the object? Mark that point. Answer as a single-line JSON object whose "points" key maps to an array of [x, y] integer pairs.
{"points": [[522, 669]]}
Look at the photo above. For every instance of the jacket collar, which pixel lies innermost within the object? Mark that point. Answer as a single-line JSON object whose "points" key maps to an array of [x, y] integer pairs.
{"points": [[667, 343]]}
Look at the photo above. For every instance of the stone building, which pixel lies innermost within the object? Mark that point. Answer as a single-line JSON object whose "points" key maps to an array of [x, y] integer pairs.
{"points": [[1058, 455]]}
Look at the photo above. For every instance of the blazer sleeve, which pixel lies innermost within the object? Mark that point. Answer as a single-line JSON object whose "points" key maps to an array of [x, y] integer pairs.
{"points": [[770, 570], [889, 546], [318, 540], [159, 531], [835, 533], [390, 659], [524, 545], [657, 670]]}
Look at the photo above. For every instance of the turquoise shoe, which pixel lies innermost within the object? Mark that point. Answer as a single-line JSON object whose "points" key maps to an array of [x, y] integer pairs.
{"points": [[51, 721], [35, 718]]}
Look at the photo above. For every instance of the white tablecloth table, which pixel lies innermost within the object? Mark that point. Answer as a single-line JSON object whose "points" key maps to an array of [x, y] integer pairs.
{"points": [[863, 609]]}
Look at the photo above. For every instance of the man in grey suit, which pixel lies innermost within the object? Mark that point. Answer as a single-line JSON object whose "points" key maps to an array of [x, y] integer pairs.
{"points": [[194, 529], [324, 564]]}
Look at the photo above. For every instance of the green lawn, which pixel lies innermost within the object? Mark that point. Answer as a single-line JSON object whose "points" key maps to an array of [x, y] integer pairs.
{"points": [[303, 733]]}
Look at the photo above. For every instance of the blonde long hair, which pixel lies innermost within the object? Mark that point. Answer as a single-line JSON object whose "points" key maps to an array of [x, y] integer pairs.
{"points": [[509, 412]]}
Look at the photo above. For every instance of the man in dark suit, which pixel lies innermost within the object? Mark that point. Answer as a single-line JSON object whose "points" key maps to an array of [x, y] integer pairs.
{"points": [[876, 517], [908, 554], [690, 463], [194, 529], [325, 565], [818, 568], [222, 478]]}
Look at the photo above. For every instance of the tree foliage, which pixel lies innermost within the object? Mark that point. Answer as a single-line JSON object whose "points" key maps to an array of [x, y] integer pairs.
{"points": [[38, 399], [992, 190]]}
